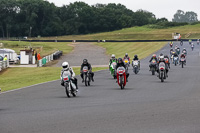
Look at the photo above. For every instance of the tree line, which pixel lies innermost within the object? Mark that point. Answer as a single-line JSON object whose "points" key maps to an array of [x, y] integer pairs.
{"points": [[40, 18]]}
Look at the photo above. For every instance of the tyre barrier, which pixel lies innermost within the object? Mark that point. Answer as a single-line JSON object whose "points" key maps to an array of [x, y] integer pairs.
{"points": [[49, 58], [57, 55]]}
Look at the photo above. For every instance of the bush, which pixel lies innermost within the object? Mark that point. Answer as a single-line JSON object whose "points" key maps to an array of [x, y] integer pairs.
{"points": [[163, 25]]}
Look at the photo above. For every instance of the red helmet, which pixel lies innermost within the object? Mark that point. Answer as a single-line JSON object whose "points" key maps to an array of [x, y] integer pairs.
{"points": [[154, 55]]}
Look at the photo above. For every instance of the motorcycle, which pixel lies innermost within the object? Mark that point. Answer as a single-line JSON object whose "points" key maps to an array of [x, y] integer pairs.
{"points": [[181, 43], [135, 65], [172, 58], [178, 51], [86, 76], [126, 62], [192, 47], [183, 62], [184, 52], [162, 71], [175, 61], [171, 45], [70, 87], [112, 69], [121, 77], [153, 66], [167, 62]]}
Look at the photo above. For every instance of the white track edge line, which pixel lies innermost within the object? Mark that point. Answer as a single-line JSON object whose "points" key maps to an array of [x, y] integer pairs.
{"points": [[34, 85]]}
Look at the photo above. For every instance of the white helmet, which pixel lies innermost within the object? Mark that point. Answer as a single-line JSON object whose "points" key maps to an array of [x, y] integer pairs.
{"points": [[113, 56], [161, 58], [65, 65]]}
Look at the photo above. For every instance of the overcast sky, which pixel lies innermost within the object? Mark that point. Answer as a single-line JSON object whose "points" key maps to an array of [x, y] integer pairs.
{"points": [[161, 8]]}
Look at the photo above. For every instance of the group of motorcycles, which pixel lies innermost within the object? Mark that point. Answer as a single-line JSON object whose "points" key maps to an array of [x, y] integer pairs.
{"points": [[120, 72], [70, 87]]}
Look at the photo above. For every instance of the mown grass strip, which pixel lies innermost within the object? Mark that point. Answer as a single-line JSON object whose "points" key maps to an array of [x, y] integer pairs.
{"points": [[135, 33], [142, 49]]}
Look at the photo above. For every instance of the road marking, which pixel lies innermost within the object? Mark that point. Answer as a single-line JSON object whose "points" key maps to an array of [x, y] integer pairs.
{"points": [[27, 86]]}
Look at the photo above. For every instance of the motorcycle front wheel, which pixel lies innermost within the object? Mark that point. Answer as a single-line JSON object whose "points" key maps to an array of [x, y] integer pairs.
{"points": [[67, 91], [121, 83], [85, 78]]}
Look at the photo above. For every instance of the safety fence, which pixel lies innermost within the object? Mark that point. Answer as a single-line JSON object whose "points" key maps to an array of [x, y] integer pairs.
{"points": [[49, 58], [4, 65]]}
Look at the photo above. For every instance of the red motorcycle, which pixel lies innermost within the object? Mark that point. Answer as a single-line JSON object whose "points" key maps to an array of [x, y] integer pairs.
{"points": [[171, 45], [121, 77]]}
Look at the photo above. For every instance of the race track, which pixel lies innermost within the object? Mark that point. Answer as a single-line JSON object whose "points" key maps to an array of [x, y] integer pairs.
{"points": [[145, 105]]}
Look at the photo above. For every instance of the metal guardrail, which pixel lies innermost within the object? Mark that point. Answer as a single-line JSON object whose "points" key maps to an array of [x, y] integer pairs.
{"points": [[4, 65]]}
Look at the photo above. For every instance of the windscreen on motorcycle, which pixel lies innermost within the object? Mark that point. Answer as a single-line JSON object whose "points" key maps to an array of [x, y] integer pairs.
{"points": [[120, 70], [175, 58], [66, 75], [113, 65], [85, 69], [135, 63], [161, 65], [182, 59], [153, 61], [126, 61]]}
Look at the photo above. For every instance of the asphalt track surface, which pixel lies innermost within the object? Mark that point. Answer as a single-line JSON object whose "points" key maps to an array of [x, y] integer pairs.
{"points": [[95, 55], [145, 105]]}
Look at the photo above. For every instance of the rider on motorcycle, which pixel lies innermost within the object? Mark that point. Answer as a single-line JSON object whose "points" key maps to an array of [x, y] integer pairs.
{"points": [[171, 50], [126, 57], [166, 56], [176, 47], [182, 41], [120, 63], [85, 63], [175, 55], [153, 58], [184, 51], [171, 43], [65, 66], [136, 59], [182, 56], [113, 59], [161, 59]]}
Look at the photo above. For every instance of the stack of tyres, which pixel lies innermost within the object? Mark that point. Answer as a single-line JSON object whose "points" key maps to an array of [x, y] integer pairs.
{"points": [[57, 55]]}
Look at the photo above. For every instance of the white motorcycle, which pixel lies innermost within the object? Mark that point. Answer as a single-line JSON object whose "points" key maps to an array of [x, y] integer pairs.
{"points": [[135, 65], [70, 87]]}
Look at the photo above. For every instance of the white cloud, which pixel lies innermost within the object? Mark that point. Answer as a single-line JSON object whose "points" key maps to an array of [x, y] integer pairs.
{"points": [[161, 8]]}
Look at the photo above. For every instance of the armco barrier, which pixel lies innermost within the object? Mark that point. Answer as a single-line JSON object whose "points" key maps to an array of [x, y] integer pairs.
{"points": [[4, 65], [161, 40]]}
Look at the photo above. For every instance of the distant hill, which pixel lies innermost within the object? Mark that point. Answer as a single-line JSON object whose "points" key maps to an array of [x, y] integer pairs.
{"points": [[138, 33]]}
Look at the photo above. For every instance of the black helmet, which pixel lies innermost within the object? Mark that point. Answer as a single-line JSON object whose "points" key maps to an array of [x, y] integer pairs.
{"points": [[161, 54], [166, 56], [120, 60], [135, 56], [126, 54], [85, 61]]}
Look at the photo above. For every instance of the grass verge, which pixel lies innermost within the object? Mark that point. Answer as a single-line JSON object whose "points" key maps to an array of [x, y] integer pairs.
{"points": [[142, 49], [13, 78], [47, 47]]}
